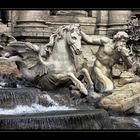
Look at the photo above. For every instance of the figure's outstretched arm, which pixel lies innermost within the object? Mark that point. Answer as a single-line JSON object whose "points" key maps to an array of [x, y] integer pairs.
{"points": [[95, 39]]}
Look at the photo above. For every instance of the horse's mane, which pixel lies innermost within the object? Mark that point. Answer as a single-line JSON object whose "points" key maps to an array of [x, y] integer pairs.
{"points": [[60, 32]]}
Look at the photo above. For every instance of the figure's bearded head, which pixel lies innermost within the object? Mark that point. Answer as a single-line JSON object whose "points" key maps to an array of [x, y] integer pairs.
{"points": [[120, 39], [120, 35]]}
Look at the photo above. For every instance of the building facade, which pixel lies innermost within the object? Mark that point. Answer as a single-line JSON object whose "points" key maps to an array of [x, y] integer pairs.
{"points": [[37, 25]]}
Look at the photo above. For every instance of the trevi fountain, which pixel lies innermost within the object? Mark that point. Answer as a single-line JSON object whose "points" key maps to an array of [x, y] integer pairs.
{"points": [[66, 85]]}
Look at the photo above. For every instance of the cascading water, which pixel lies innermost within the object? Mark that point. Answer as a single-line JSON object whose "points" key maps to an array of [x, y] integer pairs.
{"points": [[69, 119], [24, 107], [30, 108], [10, 97], [20, 99], [125, 122], [36, 116]]}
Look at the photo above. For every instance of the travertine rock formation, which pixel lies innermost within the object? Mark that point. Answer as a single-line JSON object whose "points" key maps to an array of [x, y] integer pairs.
{"points": [[9, 68], [123, 99]]}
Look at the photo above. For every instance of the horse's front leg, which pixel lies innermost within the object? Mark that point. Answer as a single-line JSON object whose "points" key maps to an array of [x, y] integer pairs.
{"points": [[87, 77], [74, 80]]}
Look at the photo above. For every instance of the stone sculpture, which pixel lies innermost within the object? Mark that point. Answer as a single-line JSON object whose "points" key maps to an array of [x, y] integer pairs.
{"points": [[7, 57], [110, 52], [55, 63]]}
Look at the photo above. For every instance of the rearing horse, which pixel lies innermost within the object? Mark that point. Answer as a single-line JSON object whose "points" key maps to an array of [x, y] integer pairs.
{"points": [[55, 63], [62, 68]]}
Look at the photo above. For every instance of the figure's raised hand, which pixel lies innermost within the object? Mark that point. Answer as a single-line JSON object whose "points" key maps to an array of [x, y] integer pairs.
{"points": [[124, 51]]}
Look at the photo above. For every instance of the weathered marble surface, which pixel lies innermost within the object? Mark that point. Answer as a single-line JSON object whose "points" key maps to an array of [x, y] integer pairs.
{"points": [[123, 99], [8, 67]]}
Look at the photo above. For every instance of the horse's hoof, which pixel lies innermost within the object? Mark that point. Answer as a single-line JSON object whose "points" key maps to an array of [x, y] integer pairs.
{"points": [[94, 95], [85, 92]]}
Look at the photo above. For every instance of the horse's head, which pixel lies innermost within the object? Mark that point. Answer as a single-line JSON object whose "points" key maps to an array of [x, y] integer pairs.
{"points": [[70, 34], [73, 38]]}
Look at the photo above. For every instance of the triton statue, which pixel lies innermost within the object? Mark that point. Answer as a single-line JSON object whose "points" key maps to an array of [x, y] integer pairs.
{"points": [[110, 52]]}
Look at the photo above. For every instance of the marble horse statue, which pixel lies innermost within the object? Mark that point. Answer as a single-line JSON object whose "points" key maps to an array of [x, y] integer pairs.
{"points": [[54, 63]]}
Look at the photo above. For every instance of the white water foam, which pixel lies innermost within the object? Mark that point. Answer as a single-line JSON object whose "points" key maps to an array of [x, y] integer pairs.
{"points": [[130, 120], [2, 84], [34, 108]]}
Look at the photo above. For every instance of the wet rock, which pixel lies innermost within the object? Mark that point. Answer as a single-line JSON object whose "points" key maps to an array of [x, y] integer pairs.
{"points": [[128, 77], [46, 100], [123, 123], [66, 97]]}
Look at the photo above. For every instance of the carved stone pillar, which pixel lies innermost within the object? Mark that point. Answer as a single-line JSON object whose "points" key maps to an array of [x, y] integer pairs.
{"points": [[92, 13], [31, 26], [102, 22], [1, 24], [117, 20]]}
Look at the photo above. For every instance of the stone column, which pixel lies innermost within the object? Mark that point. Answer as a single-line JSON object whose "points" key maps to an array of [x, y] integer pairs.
{"points": [[31, 26], [102, 22], [93, 13], [1, 24], [117, 20]]}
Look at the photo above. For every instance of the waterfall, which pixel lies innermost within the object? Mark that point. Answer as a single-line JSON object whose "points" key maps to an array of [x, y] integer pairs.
{"points": [[30, 108], [33, 108], [25, 107], [10, 97], [121, 122], [58, 120]]}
